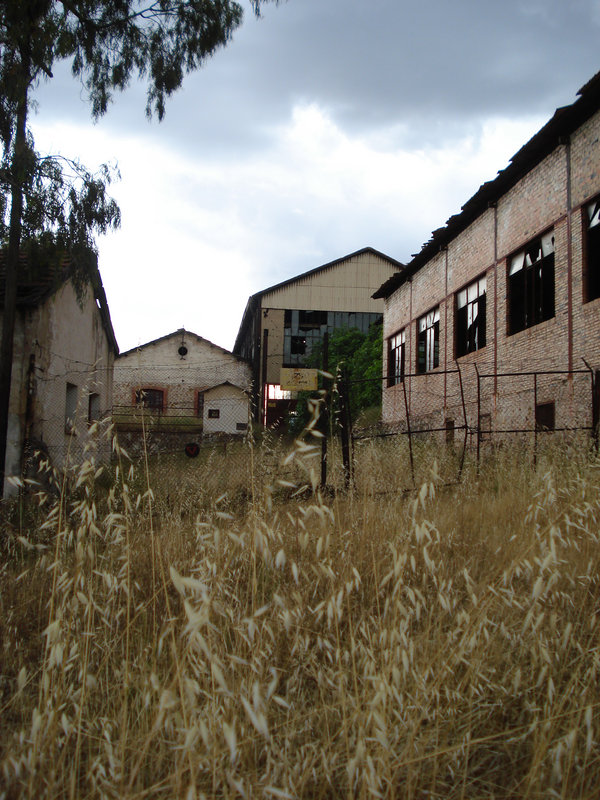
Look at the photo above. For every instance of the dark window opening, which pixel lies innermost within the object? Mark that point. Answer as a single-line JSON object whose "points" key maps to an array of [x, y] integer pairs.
{"points": [[199, 404], [449, 425], [592, 250], [544, 417], [241, 426], [298, 345], [150, 398], [70, 407], [214, 413], [93, 408], [471, 318], [308, 320], [531, 285], [428, 341], [396, 357]]}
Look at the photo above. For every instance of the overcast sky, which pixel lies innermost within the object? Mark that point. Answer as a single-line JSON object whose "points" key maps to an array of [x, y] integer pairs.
{"points": [[323, 127]]}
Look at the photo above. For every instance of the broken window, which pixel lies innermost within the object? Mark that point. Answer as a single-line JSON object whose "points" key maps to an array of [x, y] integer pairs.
{"points": [[544, 416], [298, 345], [304, 329], [214, 413], [428, 341], [449, 426], [470, 318], [199, 404], [70, 407], [93, 408], [396, 356], [309, 320], [592, 250], [531, 284], [150, 398]]}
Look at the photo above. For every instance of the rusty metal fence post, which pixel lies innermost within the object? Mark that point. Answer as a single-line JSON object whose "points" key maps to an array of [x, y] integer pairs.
{"points": [[409, 433], [324, 418], [345, 426]]}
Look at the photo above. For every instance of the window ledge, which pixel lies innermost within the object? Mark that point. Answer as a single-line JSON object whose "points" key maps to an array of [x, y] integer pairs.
{"points": [[533, 328]]}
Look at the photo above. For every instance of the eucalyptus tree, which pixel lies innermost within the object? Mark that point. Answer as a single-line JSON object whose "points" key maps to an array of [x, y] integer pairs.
{"points": [[109, 43]]}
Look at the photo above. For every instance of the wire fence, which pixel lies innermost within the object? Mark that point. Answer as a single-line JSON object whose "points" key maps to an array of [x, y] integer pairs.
{"points": [[469, 413], [211, 446]]}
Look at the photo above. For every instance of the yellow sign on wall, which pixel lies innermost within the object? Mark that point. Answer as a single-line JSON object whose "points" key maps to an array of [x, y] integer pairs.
{"points": [[298, 380]]}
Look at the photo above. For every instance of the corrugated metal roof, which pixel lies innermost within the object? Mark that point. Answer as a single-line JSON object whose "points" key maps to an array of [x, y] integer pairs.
{"points": [[254, 299]]}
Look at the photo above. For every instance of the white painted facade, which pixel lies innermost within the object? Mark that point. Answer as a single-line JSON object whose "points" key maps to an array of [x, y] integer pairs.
{"points": [[226, 410], [169, 380]]}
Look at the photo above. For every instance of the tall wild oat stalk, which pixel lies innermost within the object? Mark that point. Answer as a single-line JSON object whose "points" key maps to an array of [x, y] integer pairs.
{"points": [[438, 644]]}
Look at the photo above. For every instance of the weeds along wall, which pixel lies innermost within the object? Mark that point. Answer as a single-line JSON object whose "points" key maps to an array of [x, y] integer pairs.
{"points": [[492, 403]]}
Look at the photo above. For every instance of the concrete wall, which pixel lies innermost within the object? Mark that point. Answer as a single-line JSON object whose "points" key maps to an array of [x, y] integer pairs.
{"points": [[58, 343]]}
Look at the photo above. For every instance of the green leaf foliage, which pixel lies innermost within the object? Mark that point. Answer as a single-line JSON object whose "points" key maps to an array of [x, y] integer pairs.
{"points": [[356, 357], [109, 43]]}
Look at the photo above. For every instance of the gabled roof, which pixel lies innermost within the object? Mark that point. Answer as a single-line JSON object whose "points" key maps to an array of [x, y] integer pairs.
{"points": [[179, 333], [555, 132], [41, 277], [255, 298]]}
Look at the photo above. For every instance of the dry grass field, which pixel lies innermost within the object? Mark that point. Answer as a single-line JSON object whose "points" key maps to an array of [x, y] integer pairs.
{"points": [[161, 641]]}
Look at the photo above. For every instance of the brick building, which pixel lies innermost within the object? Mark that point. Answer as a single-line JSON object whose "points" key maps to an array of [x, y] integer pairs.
{"points": [[511, 284]]}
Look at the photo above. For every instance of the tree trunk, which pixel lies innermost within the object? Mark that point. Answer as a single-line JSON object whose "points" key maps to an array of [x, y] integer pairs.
{"points": [[12, 268]]}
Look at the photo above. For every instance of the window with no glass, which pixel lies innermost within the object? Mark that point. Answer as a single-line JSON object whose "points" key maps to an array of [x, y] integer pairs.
{"points": [[592, 250], [298, 346], [396, 356], [150, 398], [303, 330], [428, 341], [531, 284], [470, 317], [70, 407], [214, 413], [93, 407], [544, 417]]}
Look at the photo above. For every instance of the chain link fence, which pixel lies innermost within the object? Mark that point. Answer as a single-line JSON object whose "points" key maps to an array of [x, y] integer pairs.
{"points": [[438, 421], [211, 447]]}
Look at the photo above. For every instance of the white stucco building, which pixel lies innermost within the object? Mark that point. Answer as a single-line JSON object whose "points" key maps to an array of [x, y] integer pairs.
{"points": [[180, 387]]}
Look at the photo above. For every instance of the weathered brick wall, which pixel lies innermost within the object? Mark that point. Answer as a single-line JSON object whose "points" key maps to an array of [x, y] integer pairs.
{"points": [[552, 196]]}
